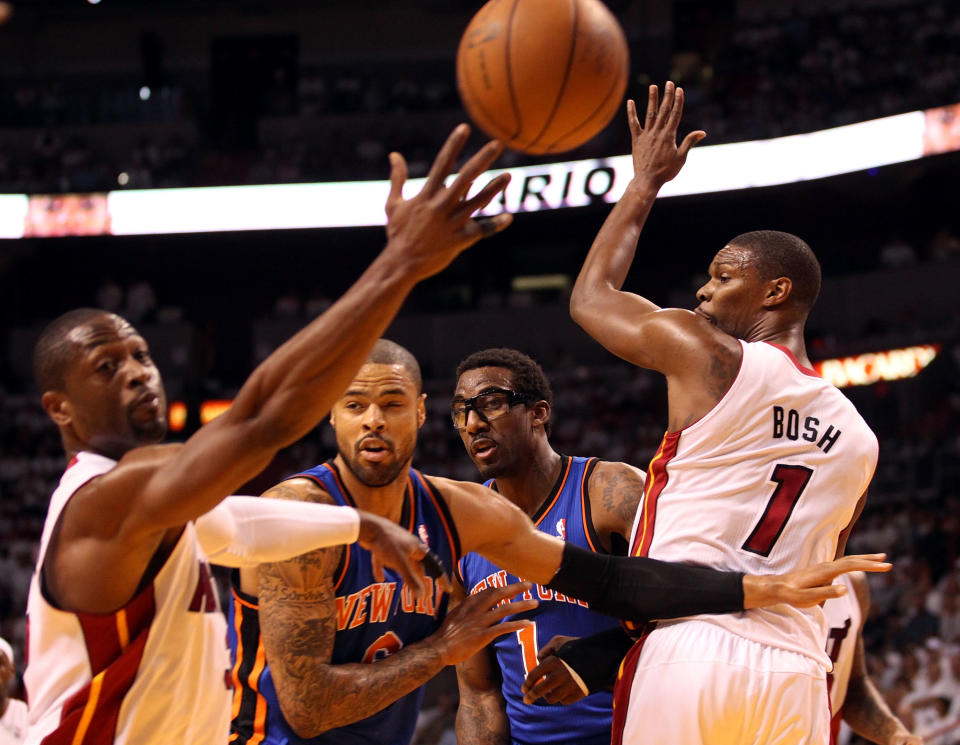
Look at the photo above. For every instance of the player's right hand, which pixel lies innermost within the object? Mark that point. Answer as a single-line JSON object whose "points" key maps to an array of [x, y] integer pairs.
{"points": [[478, 619], [431, 228], [392, 546], [809, 586]]}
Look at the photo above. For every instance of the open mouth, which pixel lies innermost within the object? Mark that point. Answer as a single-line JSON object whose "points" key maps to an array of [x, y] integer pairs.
{"points": [[483, 448], [374, 450]]}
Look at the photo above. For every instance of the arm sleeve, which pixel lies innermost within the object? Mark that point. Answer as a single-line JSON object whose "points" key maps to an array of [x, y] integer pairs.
{"points": [[594, 660], [640, 589], [246, 531]]}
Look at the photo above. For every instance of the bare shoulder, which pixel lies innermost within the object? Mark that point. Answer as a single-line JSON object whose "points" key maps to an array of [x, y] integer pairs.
{"points": [[616, 491], [300, 489]]}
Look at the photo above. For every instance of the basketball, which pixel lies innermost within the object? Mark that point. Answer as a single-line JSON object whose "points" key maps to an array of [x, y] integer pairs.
{"points": [[544, 76]]}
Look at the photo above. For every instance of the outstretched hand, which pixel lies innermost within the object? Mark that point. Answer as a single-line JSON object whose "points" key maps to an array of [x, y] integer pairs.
{"points": [[656, 156], [433, 227], [810, 586], [392, 546]]}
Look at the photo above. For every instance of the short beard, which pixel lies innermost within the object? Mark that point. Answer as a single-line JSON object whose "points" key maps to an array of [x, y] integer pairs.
{"points": [[373, 475]]}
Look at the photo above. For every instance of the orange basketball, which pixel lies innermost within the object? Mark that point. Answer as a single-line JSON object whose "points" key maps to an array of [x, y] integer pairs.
{"points": [[544, 76]]}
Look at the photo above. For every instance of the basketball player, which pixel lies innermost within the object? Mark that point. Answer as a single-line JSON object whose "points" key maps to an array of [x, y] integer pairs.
{"points": [[586, 501], [13, 712], [307, 629], [126, 639], [763, 466], [853, 696]]}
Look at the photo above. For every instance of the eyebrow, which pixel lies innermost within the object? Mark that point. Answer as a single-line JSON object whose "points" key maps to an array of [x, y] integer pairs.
{"points": [[367, 394]]}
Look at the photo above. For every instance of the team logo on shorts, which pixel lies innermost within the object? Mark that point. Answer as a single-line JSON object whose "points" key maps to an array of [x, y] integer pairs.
{"points": [[422, 532], [562, 528]]}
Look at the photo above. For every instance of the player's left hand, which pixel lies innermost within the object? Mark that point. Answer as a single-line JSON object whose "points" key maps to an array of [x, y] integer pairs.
{"points": [[392, 546], [809, 586], [656, 156], [551, 679]]}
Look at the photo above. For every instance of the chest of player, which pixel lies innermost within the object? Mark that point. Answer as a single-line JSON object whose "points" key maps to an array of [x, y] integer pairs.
{"points": [[376, 619]]}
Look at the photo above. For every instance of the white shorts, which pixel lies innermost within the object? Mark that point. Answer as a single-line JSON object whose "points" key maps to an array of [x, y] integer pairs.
{"points": [[698, 684]]}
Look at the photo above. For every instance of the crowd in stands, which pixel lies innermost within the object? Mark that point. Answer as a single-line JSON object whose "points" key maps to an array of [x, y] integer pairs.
{"points": [[800, 70], [617, 411]]}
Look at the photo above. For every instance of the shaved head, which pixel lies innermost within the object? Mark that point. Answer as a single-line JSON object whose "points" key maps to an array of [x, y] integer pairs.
{"points": [[386, 352], [54, 351], [777, 254]]}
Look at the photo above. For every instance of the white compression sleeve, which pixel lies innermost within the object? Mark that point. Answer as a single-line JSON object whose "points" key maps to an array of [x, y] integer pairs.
{"points": [[246, 531]]}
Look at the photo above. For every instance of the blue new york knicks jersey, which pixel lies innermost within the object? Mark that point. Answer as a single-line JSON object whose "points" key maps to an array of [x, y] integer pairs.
{"points": [[374, 620], [565, 513]]}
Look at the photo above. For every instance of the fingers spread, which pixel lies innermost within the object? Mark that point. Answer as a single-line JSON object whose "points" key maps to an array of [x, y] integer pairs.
{"points": [[443, 164], [398, 177], [479, 163], [653, 105], [482, 198]]}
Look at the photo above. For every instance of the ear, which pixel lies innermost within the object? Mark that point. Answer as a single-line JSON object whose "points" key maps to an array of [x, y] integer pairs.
{"points": [[421, 410], [333, 419], [58, 407], [777, 292], [541, 413]]}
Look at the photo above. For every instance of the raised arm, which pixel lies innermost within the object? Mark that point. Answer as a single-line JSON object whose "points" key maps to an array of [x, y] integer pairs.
{"points": [[113, 525], [298, 621], [631, 326], [295, 386]]}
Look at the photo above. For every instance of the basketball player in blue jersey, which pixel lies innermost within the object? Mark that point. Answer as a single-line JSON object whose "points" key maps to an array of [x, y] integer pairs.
{"points": [[327, 653], [586, 501]]}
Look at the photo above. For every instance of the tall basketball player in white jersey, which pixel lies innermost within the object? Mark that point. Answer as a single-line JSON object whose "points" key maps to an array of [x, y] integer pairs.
{"points": [[763, 467], [127, 643], [854, 698]]}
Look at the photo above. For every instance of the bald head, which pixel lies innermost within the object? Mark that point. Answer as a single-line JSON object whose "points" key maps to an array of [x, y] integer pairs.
{"points": [[54, 350], [386, 352]]}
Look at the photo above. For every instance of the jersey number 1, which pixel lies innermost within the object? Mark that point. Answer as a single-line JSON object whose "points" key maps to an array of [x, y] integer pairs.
{"points": [[791, 481], [527, 638]]}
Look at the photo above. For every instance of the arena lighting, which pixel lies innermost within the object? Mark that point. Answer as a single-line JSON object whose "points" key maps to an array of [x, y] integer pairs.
{"points": [[741, 165], [209, 410], [865, 369]]}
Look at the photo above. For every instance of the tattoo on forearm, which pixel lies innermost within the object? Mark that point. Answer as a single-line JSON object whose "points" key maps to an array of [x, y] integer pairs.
{"points": [[481, 721], [298, 624]]}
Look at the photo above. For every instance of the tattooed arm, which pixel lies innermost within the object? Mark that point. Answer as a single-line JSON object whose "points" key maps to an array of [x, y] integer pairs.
{"points": [[298, 620], [482, 713], [615, 490]]}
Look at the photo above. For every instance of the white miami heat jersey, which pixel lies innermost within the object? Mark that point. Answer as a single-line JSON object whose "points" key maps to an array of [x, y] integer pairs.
{"points": [[763, 483], [152, 673], [844, 619]]}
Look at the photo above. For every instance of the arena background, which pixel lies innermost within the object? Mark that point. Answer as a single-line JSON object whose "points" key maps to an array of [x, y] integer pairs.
{"points": [[119, 95]]}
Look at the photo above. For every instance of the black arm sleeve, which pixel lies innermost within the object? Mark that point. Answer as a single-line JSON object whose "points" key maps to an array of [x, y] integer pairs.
{"points": [[597, 658], [640, 589]]}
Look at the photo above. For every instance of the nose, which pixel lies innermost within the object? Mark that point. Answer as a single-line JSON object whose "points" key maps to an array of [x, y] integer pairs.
{"points": [[373, 420], [138, 372], [703, 294], [475, 422]]}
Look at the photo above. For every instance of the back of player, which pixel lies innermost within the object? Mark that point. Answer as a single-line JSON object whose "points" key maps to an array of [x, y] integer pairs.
{"points": [[844, 619], [765, 482], [374, 620], [565, 513], [169, 626]]}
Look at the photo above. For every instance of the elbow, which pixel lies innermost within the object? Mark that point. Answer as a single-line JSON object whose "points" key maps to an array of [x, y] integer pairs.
{"points": [[303, 723], [583, 308]]}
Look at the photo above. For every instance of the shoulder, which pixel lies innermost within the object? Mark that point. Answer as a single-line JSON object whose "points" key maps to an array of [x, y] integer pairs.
{"points": [[300, 489], [616, 490]]}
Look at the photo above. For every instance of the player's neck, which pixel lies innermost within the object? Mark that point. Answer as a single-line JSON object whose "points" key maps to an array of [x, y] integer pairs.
{"points": [[529, 488], [386, 500], [790, 338]]}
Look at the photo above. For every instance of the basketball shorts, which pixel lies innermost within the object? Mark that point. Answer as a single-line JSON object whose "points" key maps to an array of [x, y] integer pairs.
{"points": [[697, 684]]}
